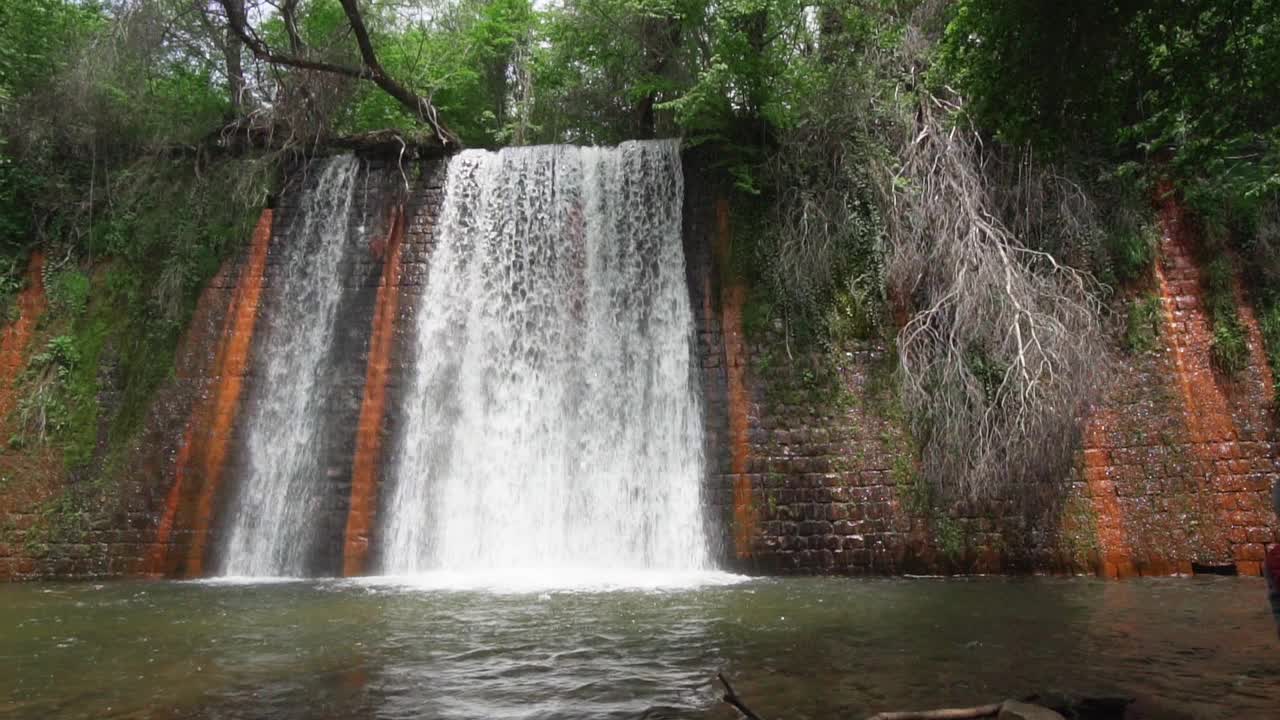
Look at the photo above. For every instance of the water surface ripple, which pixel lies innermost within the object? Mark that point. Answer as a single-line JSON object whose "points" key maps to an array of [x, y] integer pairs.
{"points": [[798, 648]]}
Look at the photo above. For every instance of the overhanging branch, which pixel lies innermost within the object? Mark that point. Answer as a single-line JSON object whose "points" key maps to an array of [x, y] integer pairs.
{"points": [[370, 69]]}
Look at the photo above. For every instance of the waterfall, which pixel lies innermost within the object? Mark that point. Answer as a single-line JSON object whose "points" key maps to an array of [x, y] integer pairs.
{"points": [[272, 528], [554, 420]]}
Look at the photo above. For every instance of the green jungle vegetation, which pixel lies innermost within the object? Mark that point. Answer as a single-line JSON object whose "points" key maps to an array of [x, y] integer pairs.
{"points": [[944, 177]]}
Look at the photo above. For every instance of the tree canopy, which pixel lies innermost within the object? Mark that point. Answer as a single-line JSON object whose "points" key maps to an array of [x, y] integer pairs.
{"points": [[877, 147]]}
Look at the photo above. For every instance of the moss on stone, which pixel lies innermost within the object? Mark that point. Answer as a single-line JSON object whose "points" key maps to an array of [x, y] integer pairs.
{"points": [[1143, 324]]}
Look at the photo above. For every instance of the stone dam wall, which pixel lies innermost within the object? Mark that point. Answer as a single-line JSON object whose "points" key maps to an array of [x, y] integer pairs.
{"points": [[810, 469], [813, 471]]}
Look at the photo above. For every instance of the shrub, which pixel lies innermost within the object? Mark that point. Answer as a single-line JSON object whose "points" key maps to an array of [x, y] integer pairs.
{"points": [[10, 285], [1142, 327], [68, 293], [43, 409], [1270, 324], [60, 356], [1230, 349], [1131, 250]]}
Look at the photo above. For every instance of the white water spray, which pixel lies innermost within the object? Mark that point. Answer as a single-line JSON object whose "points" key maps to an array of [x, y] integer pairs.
{"points": [[272, 529], [554, 420]]}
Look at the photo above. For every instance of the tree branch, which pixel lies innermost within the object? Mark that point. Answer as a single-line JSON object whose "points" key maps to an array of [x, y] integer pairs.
{"points": [[421, 107], [971, 713], [288, 11], [370, 68], [732, 698]]}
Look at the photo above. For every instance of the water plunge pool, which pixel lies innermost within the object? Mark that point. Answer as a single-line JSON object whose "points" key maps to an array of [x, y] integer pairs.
{"points": [[487, 647]]}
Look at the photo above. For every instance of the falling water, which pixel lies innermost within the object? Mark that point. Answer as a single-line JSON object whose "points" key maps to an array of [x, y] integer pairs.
{"points": [[271, 531], [554, 422]]}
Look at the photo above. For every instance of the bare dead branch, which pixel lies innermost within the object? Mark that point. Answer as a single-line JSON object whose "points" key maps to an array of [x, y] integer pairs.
{"points": [[732, 698], [979, 711], [1003, 344]]}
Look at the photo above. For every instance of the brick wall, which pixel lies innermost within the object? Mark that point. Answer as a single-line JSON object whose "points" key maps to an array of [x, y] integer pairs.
{"points": [[1174, 471], [185, 466], [809, 467]]}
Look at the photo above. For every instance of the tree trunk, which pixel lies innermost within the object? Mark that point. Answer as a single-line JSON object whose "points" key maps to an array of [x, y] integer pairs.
{"points": [[231, 50], [661, 38]]}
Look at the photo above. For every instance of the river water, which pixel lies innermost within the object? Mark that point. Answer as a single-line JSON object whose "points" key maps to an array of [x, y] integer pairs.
{"points": [[449, 646]]}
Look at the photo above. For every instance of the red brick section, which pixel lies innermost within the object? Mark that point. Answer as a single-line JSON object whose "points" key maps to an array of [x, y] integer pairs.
{"points": [[733, 295], [198, 470], [1179, 459], [16, 340], [369, 432], [1228, 419], [1175, 465], [1113, 546], [34, 474]]}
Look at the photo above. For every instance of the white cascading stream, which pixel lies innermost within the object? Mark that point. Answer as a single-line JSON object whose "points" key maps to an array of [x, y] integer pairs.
{"points": [[554, 420], [272, 526]]}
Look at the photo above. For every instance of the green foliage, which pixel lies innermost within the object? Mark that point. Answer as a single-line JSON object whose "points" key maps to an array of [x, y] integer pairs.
{"points": [[1230, 348], [18, 182], [853, 315], [1270, 326], [989, 370], [1189, 83], [1039, 72], [164, 234], [462, 59], [1131, 251], [44, 410], [1142, 324], [60, 355], [1186, 84], [809, 205], [1185, 75], [10, 284], [912, 491], [605, 65], [34, 36], [757, 314], [918, 499], [950, 536], [68, 292]]}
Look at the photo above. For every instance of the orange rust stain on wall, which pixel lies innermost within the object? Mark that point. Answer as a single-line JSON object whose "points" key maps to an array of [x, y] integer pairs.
{"points": [[198, 468], [157, 561], [1181, 297], [17, 336], [1161, 504], [1115, 556], [733, 295], [1216, 440], [360, 516]]}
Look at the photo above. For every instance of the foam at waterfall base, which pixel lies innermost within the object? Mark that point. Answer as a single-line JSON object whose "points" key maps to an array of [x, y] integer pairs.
{"points": [[249, 580], [538, 580]]}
